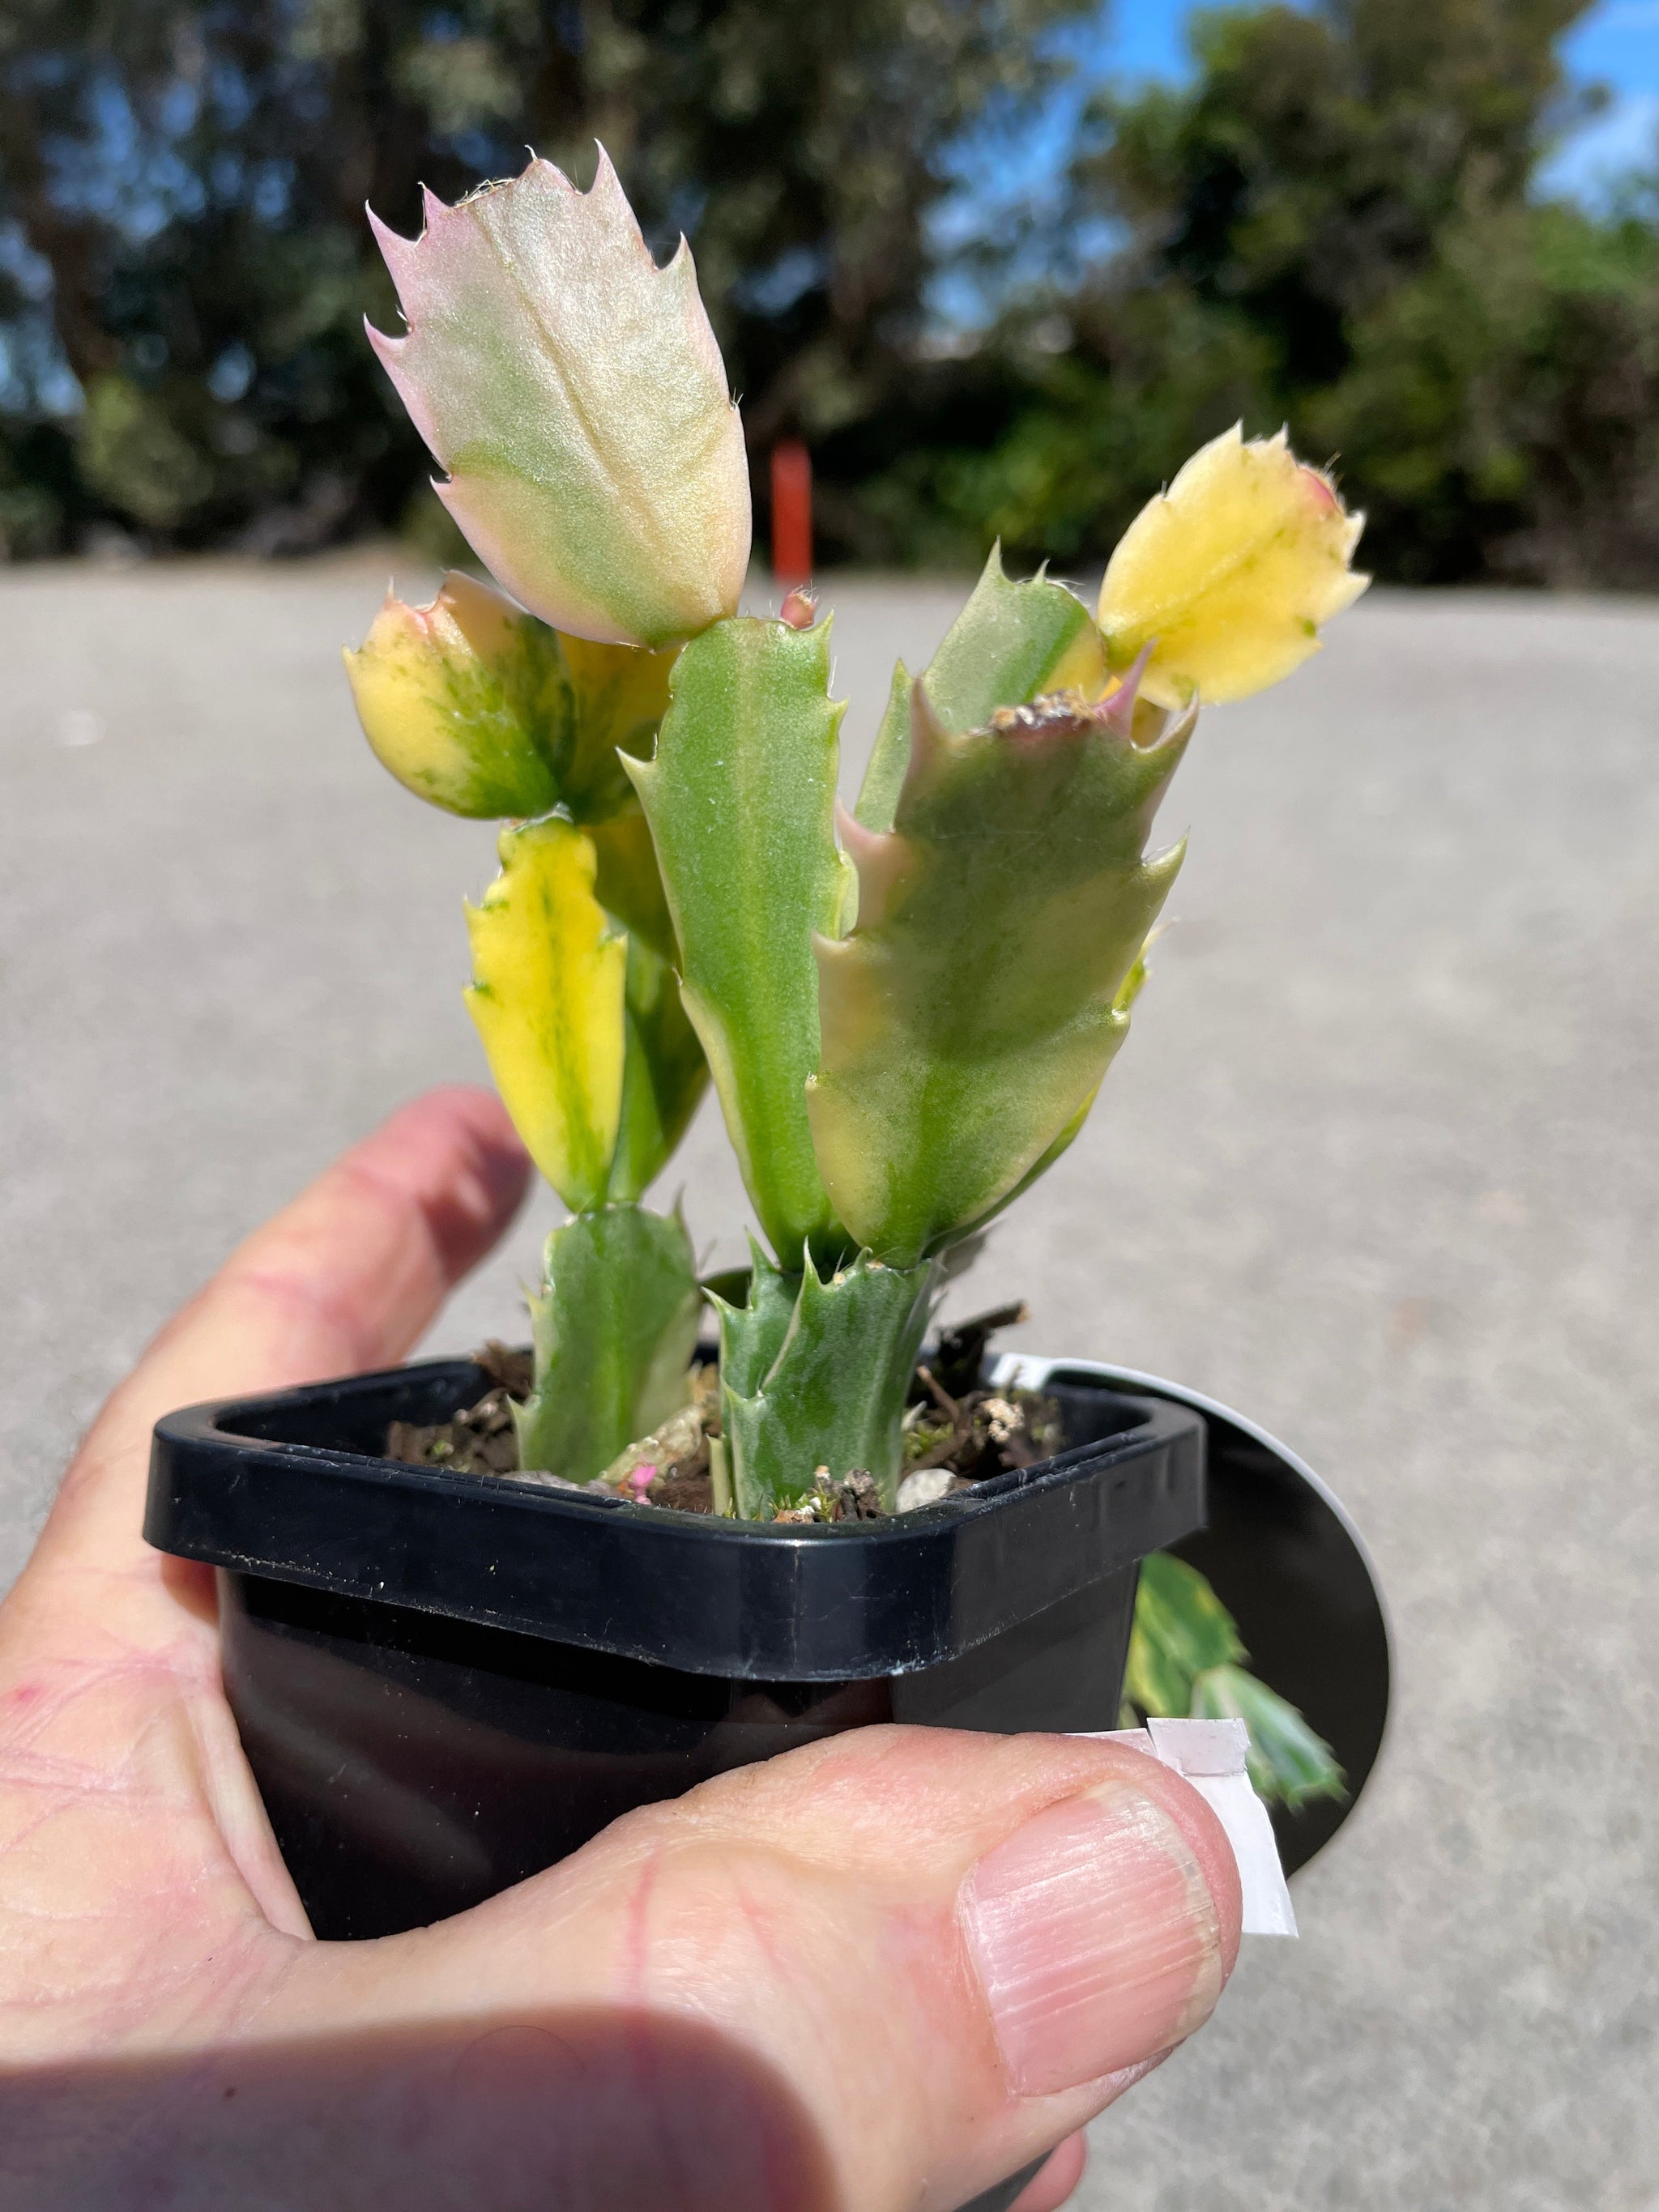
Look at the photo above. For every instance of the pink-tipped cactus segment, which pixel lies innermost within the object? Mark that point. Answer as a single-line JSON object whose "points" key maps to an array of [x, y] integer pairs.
{"points": [[575, 392]]}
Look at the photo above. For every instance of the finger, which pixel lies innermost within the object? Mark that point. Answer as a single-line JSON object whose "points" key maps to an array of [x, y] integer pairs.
{"points": [[949, 1951], [108, 1652], [344, 1278], [1058, 2179]]}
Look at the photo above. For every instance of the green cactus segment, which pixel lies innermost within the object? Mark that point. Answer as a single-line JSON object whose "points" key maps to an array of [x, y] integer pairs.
{"points": [[971, 1015], [751, 1334], [1128, 991], [663, 1074], [814, 1374], [883, 778], [613, 1326], [628, 881], [740, 798], [1039, 1167], [1186, 1661], [1182, 1630], [1010, 644]]}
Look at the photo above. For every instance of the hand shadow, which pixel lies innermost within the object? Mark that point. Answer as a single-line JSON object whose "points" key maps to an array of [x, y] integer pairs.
{"points": [[584, 2110]]}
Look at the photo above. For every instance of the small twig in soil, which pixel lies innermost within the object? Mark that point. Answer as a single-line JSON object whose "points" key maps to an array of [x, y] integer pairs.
{"points": [[946, 1403]]}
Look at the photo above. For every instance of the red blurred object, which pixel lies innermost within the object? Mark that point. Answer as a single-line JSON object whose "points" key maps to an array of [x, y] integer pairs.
{"points": [[792, 512]]}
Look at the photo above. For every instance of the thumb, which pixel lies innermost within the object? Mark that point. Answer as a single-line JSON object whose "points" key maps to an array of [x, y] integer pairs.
{"points": [[906, 1962]]}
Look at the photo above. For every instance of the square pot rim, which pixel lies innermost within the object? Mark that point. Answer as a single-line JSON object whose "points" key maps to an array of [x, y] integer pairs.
{"points": [[800, 1603]]}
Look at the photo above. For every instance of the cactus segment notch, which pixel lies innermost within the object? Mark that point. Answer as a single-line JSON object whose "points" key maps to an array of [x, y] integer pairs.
{"points": [[969, 1017], [814, 1374], [740, 797], [1011, 643], [751, 1334], [613, 1326]]}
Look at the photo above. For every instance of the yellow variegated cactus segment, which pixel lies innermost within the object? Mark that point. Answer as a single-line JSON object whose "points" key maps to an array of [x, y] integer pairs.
{"points": [[550, 976], [619, 694], [1229, 574], [464, 701], [482, 708], [1082, 666]]}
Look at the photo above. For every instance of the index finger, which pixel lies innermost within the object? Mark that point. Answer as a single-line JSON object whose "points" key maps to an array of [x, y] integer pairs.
{"points": [[345, 1278]]}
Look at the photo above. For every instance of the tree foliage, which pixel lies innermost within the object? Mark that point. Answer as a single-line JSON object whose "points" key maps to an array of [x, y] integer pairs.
{"points": [[182, 228], [1337, 224]]}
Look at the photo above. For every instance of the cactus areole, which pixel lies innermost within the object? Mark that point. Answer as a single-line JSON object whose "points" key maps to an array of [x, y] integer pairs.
{"points": [[905, 1010]]}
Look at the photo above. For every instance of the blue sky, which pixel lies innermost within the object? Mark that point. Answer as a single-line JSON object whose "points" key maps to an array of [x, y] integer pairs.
{"points": [[1617, 43]]}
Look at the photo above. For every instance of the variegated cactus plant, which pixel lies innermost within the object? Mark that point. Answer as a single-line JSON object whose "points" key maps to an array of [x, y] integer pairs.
{"points": [[907, 1012]]}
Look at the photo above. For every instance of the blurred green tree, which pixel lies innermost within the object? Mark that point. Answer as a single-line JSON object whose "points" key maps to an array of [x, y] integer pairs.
{"points": [[1337, 223], [184, 263], [1500, 414]]}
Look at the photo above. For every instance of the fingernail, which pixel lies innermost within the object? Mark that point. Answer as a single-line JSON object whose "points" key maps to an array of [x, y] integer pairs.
{"points": [[1095, 1938]]}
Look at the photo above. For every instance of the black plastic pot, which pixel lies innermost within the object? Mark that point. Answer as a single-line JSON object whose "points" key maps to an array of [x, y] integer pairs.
{"points": [[445, 1683]]}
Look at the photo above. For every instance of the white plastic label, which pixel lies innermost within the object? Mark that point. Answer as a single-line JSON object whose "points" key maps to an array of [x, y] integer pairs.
{"points": [[1210, 1755]]}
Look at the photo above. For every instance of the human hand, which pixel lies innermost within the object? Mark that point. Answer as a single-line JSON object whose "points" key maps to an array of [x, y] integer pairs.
{"points": [[883, 1972]]}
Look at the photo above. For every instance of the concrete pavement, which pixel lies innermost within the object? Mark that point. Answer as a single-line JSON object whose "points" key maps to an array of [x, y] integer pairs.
{"points": [[1379, 1165]]}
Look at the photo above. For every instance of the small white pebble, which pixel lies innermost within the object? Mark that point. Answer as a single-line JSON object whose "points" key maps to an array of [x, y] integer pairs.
{"points": [[925, 1487]]}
